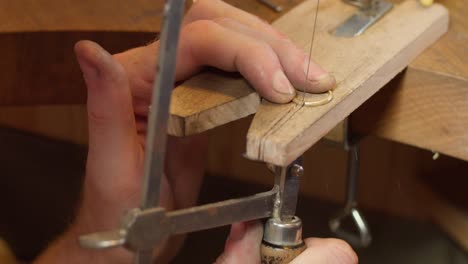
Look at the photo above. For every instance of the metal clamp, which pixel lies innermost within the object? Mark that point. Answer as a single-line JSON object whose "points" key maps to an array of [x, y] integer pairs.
{"points": [[370, 11], [284, 228], [364, 238]]}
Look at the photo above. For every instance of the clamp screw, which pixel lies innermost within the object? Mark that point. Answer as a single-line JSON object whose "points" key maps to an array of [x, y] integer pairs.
{"points": [[297, 170]]}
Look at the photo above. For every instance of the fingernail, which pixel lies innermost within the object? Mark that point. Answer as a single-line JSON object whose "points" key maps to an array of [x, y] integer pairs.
{"points": [[320, 79], [325, 82], [89, 70], [312, 70], [86, 55], [281, 84]]}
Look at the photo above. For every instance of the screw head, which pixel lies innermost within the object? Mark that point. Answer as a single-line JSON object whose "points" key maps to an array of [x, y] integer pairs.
{"points": [[297, 170]]}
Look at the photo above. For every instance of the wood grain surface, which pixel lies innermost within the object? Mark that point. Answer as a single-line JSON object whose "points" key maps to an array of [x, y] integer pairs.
{"points": [[426, 107], [209, 100], [431, 112], [280, 133]]}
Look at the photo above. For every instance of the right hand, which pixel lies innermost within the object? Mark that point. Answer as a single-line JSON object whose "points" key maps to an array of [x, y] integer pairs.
{"points": [[243, 246]]}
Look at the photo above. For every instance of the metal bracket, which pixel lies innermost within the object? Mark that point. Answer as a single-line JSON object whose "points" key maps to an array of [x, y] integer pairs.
{"points": [[364, 238], [283, 228], [370, 11], [145, 229]]}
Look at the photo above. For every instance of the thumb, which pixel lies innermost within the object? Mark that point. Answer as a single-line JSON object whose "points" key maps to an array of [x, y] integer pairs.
{"points": [[243, 244], [111, 121], [326, 250]]}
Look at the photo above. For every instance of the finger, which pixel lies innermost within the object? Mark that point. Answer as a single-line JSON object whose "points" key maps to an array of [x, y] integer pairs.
{"points": [[212, 9], [304, 74], [242, 244], [294, 61], [332, 251], [112, 133], [140, 64], [206, 43], [214, 45]]}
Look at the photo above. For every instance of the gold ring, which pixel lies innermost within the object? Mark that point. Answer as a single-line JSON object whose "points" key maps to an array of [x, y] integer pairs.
{"points": [[300, 100]]}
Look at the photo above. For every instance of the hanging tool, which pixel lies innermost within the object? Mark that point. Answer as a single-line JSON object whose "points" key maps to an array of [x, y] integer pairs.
{"points": [[350, 210]]}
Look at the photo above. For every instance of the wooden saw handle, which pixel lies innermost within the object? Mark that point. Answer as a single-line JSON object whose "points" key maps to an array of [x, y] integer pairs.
{"points": [[271, 254]]}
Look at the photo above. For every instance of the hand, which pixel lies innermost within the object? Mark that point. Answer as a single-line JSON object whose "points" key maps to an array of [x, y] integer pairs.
{"points": [[243, 246], [119, 92]]}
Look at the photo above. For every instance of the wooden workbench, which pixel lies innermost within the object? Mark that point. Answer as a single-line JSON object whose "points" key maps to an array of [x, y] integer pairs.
{"points": [[426, 107]]}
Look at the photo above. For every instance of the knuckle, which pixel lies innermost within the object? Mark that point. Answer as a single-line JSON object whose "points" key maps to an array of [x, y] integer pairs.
{"points": [[202, 4], [199, 27], [260, 47], [102, 119], [287, 44], [224, 20], [259, 20], [97, 117], [255, 51]]}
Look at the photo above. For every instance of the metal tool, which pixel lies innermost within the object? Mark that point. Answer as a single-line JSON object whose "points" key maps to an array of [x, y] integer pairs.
{"points": [[282, 236], [142, 230], [272, 5], [370, 11], [350, 210]]}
